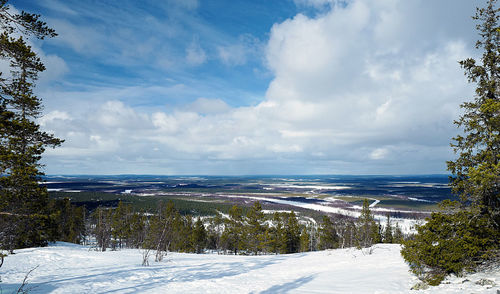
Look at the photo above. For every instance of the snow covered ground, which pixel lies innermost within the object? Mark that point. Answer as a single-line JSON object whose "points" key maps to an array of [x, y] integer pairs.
{"points": [[68, 268]]}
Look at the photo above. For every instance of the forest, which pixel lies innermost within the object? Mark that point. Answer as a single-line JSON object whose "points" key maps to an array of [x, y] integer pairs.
{"points": [[250, 233]]}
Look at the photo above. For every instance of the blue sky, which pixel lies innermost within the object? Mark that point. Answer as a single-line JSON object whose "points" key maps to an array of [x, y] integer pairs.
{"points": [[253, 87]]}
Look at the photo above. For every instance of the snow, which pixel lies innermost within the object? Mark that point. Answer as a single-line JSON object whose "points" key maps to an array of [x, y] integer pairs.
{"points": [[407, 226], [68, 268], [314, 187]]}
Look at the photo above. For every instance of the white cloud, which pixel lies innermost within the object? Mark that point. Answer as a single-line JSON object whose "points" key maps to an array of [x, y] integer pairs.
{"points": [[53, 115], [350, 92], [208, 106]]}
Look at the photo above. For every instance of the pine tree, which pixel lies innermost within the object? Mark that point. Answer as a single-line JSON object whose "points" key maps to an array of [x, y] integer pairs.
{"points": [[23, 203]]}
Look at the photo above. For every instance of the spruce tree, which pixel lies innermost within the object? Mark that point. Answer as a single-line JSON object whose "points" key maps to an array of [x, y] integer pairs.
{"points": [[388, 236], [255, 219], [367, 231], [292, 233], [305, 240], [199, 236], [476, 171], [468, 234], [328, 238], [233, 236]]}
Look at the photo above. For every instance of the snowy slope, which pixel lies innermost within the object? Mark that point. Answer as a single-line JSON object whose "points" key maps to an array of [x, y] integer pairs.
{"points": [[67, 268]]}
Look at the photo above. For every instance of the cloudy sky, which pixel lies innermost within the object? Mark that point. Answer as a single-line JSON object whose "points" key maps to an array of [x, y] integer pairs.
{"points": [[232, 87]]}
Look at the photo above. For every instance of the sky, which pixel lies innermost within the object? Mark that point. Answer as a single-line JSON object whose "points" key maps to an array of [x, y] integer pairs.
{"points": [[234, 87]]}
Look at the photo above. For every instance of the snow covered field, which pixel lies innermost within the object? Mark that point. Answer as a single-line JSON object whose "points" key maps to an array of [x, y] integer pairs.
{"points": [[68, 268]]}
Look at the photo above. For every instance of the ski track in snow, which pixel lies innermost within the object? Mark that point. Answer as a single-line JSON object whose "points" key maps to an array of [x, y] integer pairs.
{"points": [[68, 268]]}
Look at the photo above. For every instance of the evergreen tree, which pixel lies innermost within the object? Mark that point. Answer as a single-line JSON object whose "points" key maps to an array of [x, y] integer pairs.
{"points": [[469, 234], [101, 219], [449, 243], [328, 238], [278, 241], [292, 233], [305, 240], [255, 219], [233, 236], [23, 203], [215, 229], [70, 221], [138, 229], [368, 232], [119, 224], [398, 235], [199, 236], [477, 169], [388, 231]]}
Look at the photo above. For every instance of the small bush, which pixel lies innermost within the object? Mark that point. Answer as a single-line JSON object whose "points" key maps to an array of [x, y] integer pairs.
{"points": [[450, 244]]}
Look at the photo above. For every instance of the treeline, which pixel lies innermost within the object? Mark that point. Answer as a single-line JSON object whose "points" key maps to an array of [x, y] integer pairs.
{"points": [[237, 232], [58, 220]]}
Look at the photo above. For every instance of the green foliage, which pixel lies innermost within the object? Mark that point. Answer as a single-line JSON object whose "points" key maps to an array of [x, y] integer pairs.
{"points": [[477, 169], [328, 237], [256, 229], [292, 233], [68, 221], [305, 240], [450, 243], [367, 231], [458, 241], [23, 203], [233, 237], [199, 236], [185, 206], [388, 235]]}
